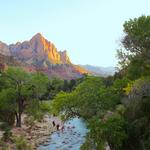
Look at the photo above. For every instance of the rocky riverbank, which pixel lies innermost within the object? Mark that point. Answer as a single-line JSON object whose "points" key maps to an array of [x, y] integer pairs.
{"points": [[71, 138], [38, 134]]}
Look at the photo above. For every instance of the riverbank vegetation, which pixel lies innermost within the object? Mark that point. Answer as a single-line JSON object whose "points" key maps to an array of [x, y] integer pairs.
{"points": [[115, 108], [25, 94]]}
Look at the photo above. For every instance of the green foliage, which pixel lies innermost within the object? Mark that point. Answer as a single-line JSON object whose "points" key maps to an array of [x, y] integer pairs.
{"points": [[88, 97], [91, 99], [83, 101], [34, 110], [109, 97], [45, 106], [54, 87], [7, 99], [137, 114], [109, 130], [39, 83], [3, 145], [113, 130], [7, 105], [37, 109], [90, 144], [7, 134], [30, 120], [136, 53], [21, 93], [137, 35], [69, 85], [138, 102], [21, 144], [64, 104], [14, 95], [134, 60], [116, 109]]}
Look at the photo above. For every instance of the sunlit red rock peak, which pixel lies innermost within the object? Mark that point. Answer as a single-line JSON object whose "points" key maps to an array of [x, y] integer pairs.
{"points": [[40, 53]]}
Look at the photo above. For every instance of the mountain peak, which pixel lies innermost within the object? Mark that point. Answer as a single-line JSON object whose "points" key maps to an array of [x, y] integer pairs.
{"points": [[38, 52], [37, 37]]}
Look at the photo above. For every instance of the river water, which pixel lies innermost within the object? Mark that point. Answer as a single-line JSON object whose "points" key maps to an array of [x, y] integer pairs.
{"points": [[71, 138]]}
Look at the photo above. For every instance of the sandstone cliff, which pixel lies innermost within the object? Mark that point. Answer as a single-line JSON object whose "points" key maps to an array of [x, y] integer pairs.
{"points": [[40, 54]]}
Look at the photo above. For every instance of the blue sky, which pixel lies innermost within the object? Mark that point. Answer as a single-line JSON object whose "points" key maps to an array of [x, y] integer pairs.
{"points": [[89, 30]]}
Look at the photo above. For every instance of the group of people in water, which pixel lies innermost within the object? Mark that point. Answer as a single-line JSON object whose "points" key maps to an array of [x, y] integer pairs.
{"points": [[56, 122], [58, 127]]}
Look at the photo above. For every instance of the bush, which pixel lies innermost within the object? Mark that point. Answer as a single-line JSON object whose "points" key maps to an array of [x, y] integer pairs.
{"points": [[4, 126], [45, 106], [7, 134], [30, 120], [7, 116], [21, 144], [39, 116], [3, 145]]}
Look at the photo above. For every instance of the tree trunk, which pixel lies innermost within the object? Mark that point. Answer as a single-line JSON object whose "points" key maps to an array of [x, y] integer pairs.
{"points": [[18, 120], [19, 113], [20, 107]]}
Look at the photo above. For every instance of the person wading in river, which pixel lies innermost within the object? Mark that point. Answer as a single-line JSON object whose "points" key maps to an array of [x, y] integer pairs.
{"points": [[57, 127], [53, 122]]}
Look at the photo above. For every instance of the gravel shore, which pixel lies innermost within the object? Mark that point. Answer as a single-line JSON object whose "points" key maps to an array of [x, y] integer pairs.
{"points": [[35, 136]]}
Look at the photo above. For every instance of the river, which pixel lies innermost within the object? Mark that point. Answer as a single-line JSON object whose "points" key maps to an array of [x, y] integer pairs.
{"points": [[70, 139]]}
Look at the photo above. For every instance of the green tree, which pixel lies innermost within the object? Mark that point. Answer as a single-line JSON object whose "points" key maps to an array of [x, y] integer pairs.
{"points": [[17, 80], [7, 106], [110, 130], [54, 87], [136, 43], [39, 83], [137, 104], [21, 90], [83, 101]]}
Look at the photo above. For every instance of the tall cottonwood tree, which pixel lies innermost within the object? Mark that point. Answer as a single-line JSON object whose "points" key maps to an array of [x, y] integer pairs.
{"points": [[136, 47], [20, 89]]}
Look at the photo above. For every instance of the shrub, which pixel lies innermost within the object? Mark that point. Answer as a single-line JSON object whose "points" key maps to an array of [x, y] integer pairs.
{"points": [[7, 116], [30, 120], [4, 126], [21, 144], [7, 134], [3, 145]]}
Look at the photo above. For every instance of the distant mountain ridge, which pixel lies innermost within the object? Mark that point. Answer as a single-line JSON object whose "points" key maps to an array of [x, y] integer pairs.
{"points": [[102, 71], [39, 53]]}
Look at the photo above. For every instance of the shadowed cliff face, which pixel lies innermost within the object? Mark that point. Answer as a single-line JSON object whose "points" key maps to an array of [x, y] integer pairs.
{"points": [[39, 53]]}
